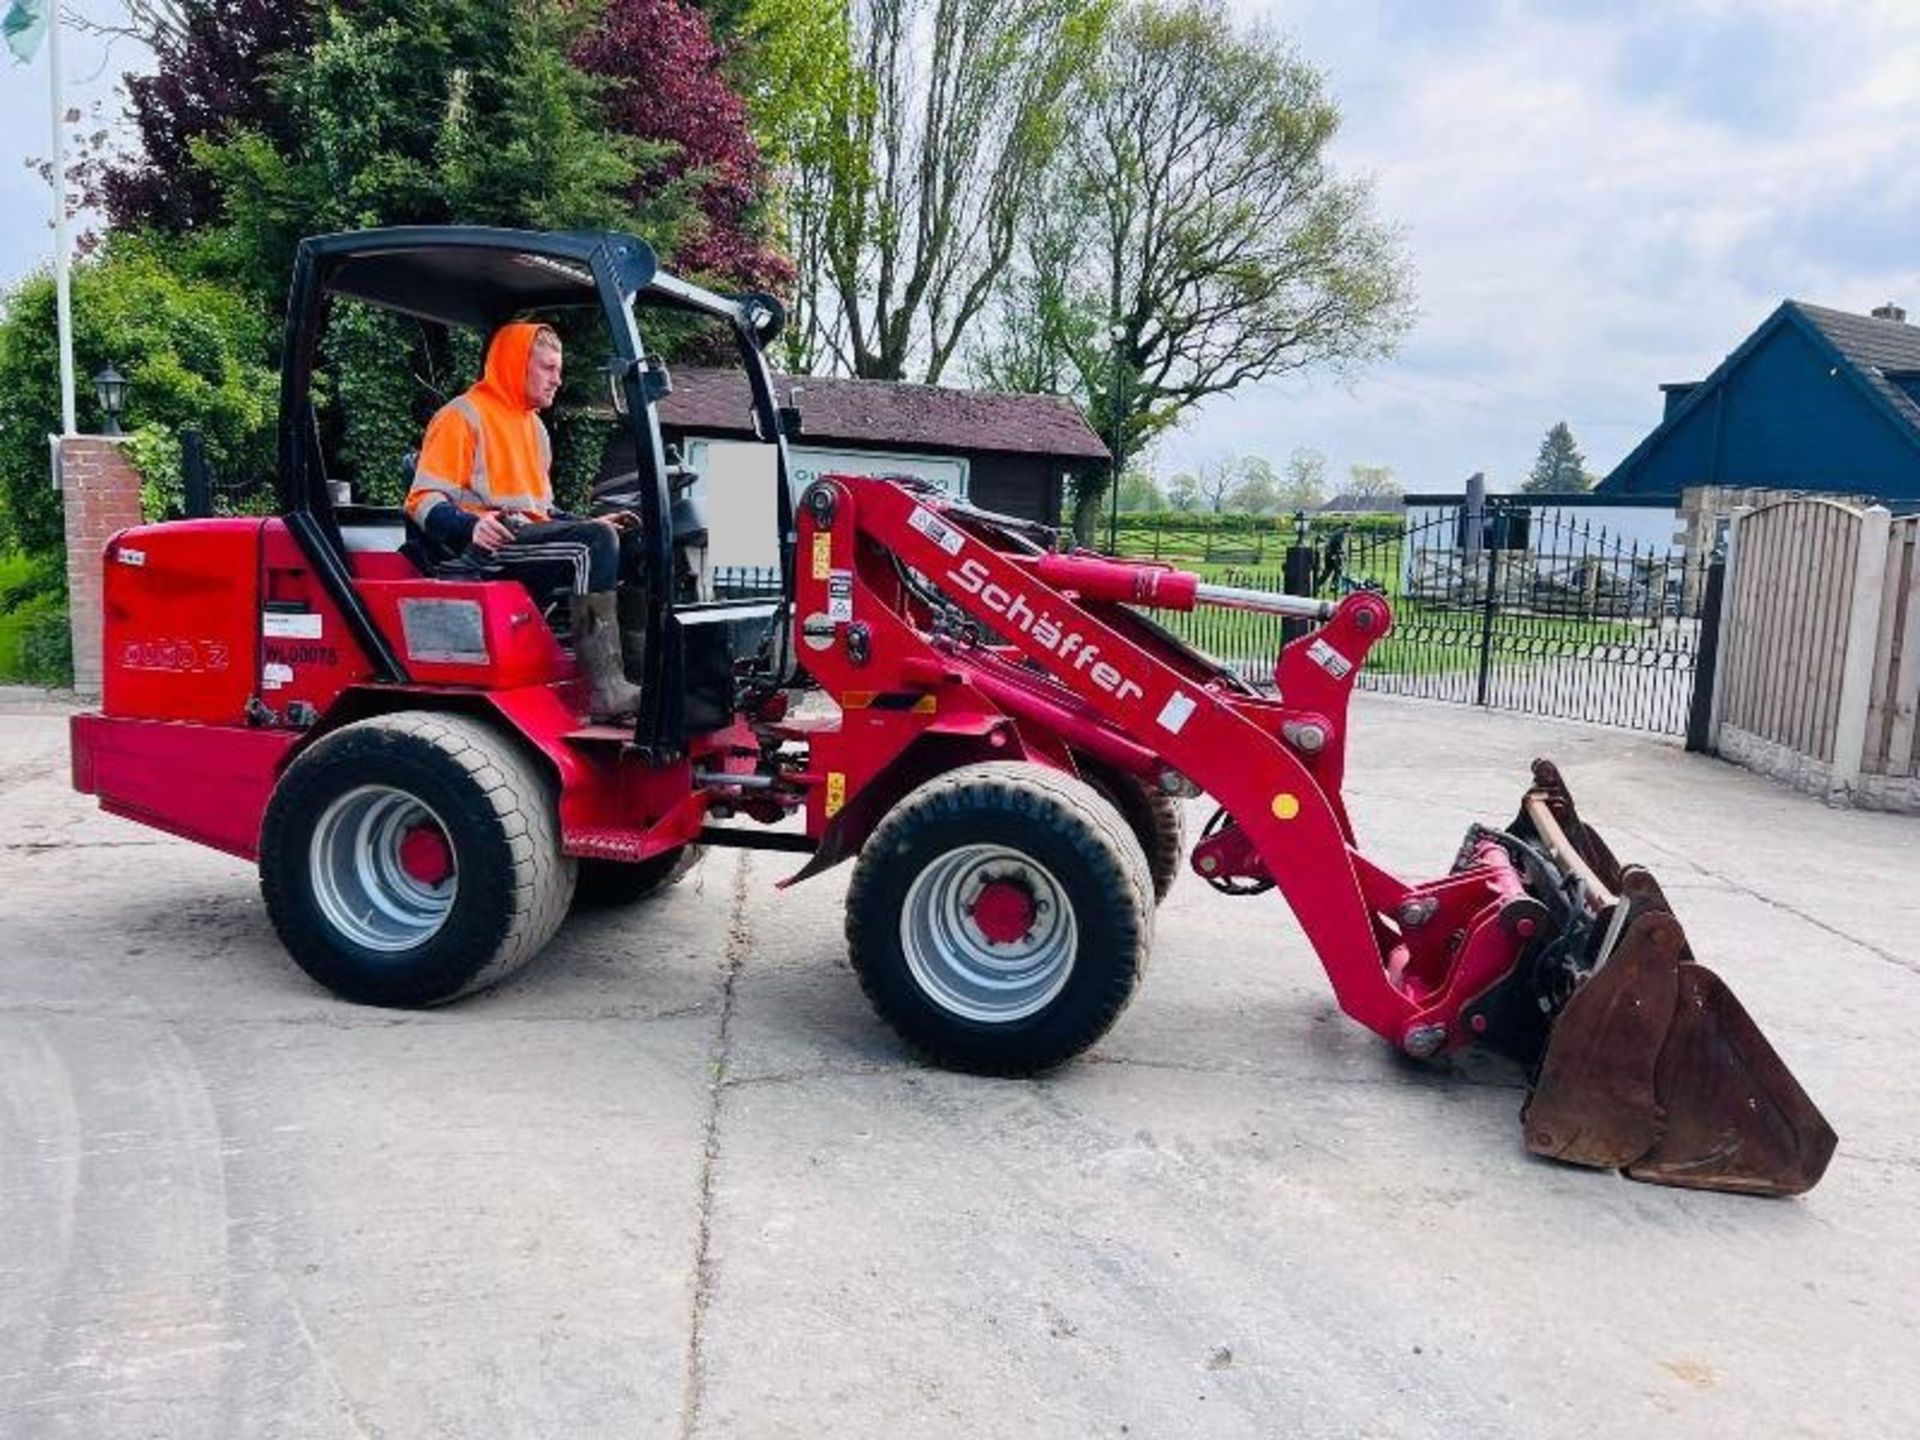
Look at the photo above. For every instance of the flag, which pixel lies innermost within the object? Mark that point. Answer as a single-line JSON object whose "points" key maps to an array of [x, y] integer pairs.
{"points": [[25, 26]]}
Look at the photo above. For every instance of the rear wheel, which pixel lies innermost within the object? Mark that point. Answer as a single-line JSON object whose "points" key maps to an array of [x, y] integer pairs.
{"points": [[412, 858], [999, 918]]}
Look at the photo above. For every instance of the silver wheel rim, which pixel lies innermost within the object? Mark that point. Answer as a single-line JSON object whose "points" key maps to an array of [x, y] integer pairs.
{"points": [[360, 885], [953, 961]]}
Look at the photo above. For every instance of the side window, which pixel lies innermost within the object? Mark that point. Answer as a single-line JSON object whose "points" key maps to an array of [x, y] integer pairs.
{"points": [[737, 492], [723, 462]]}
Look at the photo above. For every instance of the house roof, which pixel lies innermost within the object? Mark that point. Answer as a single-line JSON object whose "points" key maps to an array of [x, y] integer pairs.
{"points": [[1864, 348], [1877, 348], [887, 413]]}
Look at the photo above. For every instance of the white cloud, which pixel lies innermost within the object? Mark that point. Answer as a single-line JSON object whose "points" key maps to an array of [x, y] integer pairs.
{"points": [[1596, 200]]}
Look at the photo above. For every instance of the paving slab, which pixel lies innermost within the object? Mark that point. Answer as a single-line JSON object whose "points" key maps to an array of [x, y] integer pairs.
{"points": [[677, 1180]]}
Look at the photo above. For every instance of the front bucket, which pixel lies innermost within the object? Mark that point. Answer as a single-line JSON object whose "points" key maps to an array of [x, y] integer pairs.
{"points": [[1735, 1118], [1652, 1066]]}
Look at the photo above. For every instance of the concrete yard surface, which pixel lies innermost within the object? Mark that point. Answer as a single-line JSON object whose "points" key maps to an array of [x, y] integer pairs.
{"points": [[675, 1179]]}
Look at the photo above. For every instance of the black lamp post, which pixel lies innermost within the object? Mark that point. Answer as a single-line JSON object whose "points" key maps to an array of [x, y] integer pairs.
{"points": [[1117, 334], [110, 386]]}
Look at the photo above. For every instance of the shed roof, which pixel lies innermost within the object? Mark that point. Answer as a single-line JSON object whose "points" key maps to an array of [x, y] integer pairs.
{"points": [[888, 413]]}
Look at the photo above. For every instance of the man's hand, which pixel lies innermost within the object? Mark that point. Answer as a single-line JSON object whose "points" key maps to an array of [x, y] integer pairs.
{"points": [[620, 520], [490, 534]]}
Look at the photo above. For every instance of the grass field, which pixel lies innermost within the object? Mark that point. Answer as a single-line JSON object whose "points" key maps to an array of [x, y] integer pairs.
{"points": [[1428, 638], [1209, 542]]}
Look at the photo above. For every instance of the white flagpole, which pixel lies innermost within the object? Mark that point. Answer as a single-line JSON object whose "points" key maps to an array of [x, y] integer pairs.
{"points": [[63, 299]]}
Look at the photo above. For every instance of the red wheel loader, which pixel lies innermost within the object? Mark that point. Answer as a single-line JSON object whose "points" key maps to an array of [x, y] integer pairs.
{"points": [[401, 746]]}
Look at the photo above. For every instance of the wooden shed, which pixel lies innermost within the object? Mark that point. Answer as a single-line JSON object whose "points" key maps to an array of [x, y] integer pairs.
{"points": [[1013, 453]]}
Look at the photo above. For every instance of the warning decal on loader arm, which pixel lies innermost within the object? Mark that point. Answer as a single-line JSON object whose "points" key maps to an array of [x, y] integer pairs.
{"points": [[931, 526]]}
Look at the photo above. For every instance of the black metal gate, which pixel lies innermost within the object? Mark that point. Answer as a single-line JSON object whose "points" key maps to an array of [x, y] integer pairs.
{"points": [[1517, 607]]}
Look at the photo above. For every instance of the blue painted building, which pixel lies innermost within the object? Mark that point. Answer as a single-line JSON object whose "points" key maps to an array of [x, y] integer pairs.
{"points": [[1814, 400]]}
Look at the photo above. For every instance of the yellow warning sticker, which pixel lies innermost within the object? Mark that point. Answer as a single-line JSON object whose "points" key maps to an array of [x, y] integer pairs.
{"points": [[836, 792], [1285, 806], [822, 555]]}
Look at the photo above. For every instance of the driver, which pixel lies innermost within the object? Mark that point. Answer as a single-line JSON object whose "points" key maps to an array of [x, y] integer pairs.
{"points": [[483, 483]]}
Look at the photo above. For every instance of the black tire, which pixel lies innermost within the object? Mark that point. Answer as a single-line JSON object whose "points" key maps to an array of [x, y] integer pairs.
{"points": [[607, 884], [497, 832], [1056, 837], [1155, 818]]}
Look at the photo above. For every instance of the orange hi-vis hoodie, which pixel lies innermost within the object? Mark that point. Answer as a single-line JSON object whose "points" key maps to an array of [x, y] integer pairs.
{"points": [[487, 450]]}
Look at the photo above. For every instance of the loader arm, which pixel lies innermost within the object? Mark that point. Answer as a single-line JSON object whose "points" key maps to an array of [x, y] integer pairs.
{"points": [[1274, 765]]}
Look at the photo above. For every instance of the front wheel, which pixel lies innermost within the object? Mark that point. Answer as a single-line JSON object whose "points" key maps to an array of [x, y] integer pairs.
{"points": [[409, 859], [1155, 818], [999, 918]]}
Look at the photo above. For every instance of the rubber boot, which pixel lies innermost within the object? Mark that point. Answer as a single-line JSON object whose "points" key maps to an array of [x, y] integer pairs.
{"points": [[596, 645]]}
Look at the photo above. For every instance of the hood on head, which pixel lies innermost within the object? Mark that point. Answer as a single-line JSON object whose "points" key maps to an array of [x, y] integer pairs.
{"points": [[507, 356]]}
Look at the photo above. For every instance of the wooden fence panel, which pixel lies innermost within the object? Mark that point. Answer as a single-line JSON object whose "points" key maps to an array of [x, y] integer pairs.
{"points": [[1810, 690], [1836, 613], [1890, 746], [1792, 599]]}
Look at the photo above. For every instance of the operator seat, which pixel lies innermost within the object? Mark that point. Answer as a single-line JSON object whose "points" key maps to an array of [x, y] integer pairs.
{"points": [[548, 582]]}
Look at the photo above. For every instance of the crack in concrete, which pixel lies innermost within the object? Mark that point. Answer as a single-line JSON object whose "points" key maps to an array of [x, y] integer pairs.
{"points": [[342, 1397], [1901, 962], [693, 1386], [39, 847]]}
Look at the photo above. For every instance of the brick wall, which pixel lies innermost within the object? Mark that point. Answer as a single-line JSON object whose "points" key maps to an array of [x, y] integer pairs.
{"points": [[102, 493]]}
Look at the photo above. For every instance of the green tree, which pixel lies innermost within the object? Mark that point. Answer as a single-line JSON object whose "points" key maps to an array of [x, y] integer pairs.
{"points": [[1216, 245], [1038, 326], [1304, 486], [794, 68], [1257, 490], [1139, 493], [1373, 482], [428, 112], [1183, 492], [921, 167], [1215, 479], [192, 348], [422, 112], [1559, 467]]}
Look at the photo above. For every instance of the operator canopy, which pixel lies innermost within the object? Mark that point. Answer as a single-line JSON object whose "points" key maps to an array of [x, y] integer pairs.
{"points": [[478, 278]]}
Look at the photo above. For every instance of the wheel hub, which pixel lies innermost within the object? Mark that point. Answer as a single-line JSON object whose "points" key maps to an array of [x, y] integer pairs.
{"points": [[988, 933], [1004, 910], [382, 869], [425, 855]]}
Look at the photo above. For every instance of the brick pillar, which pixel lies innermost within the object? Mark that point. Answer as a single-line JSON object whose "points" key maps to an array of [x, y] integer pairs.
{"points": [[102, 493]]}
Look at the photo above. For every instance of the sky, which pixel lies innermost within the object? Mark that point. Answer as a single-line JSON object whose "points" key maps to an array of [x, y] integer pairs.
{"points": [[92, 66], [1595, 198]]}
